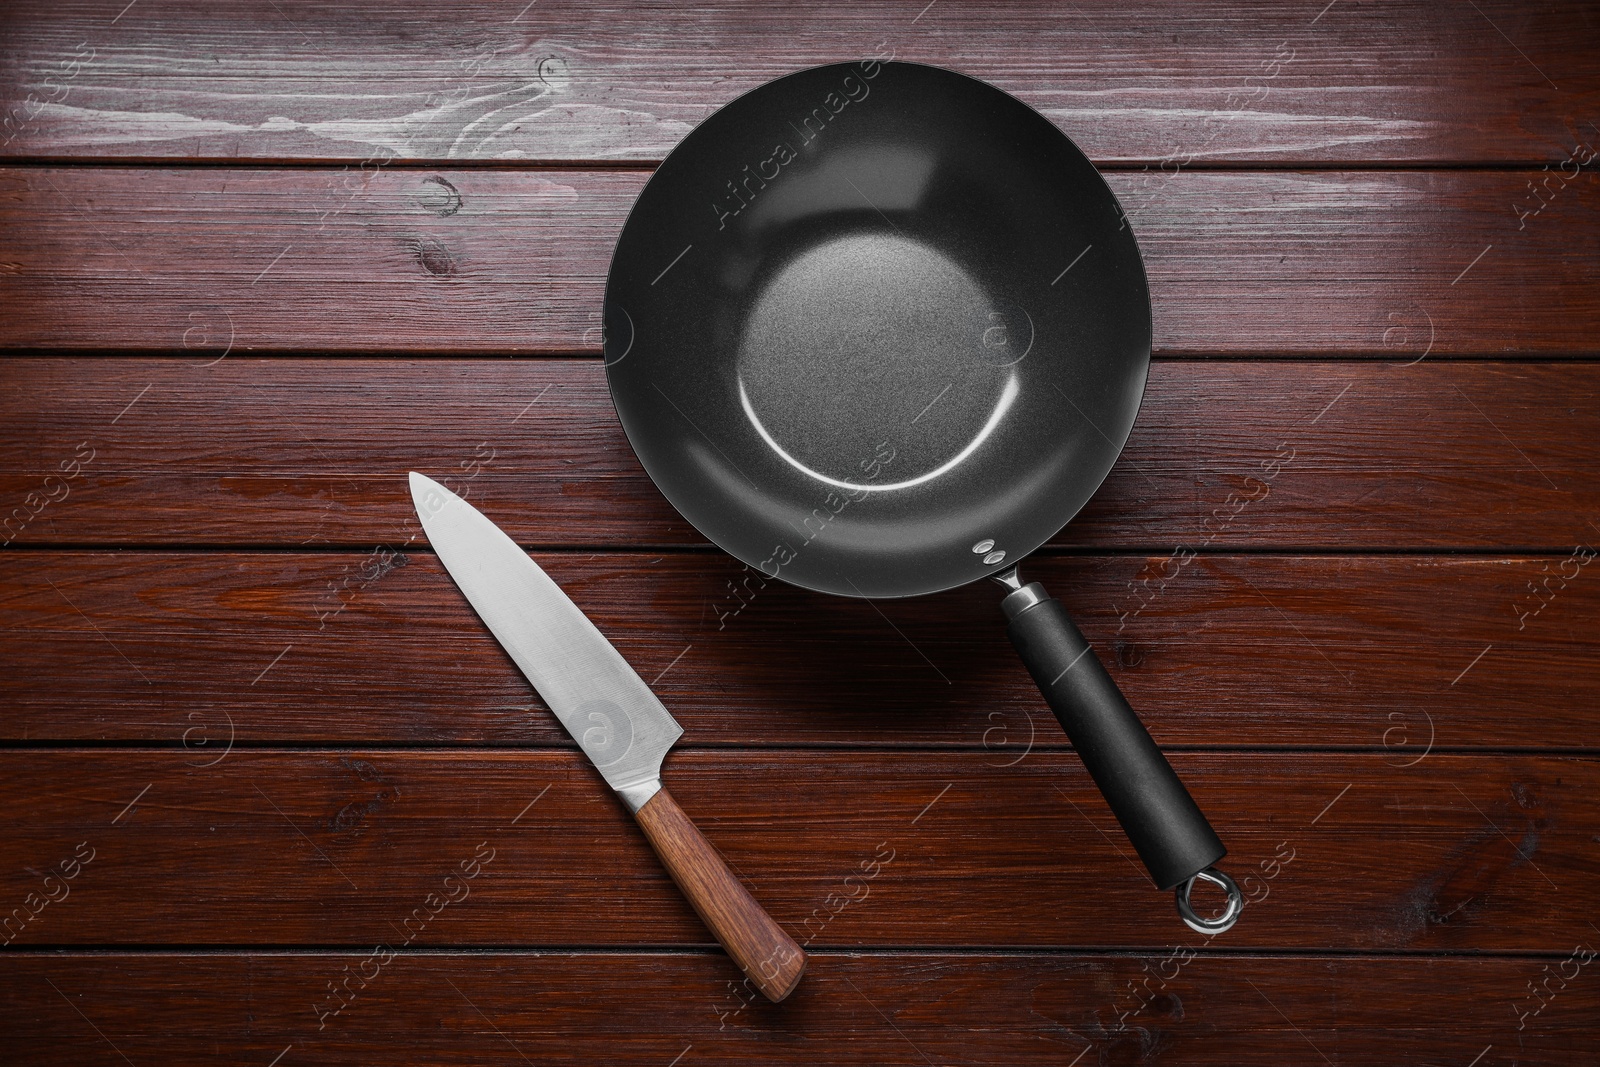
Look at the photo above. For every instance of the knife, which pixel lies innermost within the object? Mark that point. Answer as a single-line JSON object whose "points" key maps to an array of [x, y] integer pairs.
{"points": [[615, 718]]}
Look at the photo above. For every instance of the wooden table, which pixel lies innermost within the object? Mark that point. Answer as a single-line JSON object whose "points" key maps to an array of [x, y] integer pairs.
{"points": [[259, 260]]}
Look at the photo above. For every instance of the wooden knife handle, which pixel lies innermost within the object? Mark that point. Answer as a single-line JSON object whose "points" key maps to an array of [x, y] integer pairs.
{"points": [[768, 956]]}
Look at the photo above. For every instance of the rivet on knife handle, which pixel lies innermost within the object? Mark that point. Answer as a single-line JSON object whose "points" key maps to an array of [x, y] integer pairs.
{"points": [[768, 956]]}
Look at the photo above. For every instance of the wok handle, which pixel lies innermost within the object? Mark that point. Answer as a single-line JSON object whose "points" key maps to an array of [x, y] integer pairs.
{"points": [[1159, 816], [768, 956]]}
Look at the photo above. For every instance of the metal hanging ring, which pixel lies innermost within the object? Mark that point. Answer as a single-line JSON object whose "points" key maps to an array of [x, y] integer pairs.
{"points": [[1230, 914]]}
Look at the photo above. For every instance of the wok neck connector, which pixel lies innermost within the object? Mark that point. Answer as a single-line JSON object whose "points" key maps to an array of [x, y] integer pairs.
{"points": [[1021, 597], [1008, 578]]}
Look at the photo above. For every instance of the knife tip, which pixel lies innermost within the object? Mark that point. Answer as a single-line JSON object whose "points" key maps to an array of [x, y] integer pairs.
{"points": [[421, 483], [427, 495]]}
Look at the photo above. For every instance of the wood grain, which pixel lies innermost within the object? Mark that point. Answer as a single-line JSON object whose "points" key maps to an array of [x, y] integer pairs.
{"points": [[1394, 264], [874, 1009], [1234, 82], [1490, 456], [846, 849], [1370, 251], [1387, 653], [762, 950]]}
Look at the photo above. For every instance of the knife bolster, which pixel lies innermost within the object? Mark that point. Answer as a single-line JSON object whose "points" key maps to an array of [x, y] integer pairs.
{"points": [[637, 794]]}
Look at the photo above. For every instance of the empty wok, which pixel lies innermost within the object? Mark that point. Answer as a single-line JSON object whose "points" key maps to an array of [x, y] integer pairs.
{"points": [[879, 329]]}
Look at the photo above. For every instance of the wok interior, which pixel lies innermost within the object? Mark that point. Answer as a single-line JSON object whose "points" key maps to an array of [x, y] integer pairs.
{"points": [[877, 329]]}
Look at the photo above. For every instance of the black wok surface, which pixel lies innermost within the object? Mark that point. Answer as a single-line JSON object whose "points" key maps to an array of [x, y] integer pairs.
{"points": [[877, 329]]}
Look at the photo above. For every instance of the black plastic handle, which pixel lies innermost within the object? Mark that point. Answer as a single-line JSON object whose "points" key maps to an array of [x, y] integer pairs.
{"points": [[1155, 810]]}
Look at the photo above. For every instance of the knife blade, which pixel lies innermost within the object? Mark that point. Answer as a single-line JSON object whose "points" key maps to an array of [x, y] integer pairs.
{"points": [[608, 710]]}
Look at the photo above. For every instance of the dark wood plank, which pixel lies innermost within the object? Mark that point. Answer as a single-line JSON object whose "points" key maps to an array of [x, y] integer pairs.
{"points": [[1343, 852], [1294, 263], [1240, 82], [1394, 654], [883, 777], [916, 1008], [291, 452]]}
